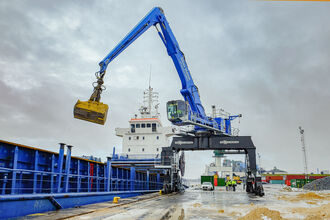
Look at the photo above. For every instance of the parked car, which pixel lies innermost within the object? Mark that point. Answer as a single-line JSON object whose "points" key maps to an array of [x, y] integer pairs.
{"points": [[207, 186]]}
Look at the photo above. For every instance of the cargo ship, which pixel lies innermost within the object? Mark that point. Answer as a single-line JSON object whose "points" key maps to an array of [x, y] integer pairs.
{"points": [[34, 180], [145, 136]]}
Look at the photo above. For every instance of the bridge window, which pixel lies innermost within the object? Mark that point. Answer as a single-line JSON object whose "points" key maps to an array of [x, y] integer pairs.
{"points": [[153, 127], [143, 125], [133, 128], [148, 125], [137, 125]]}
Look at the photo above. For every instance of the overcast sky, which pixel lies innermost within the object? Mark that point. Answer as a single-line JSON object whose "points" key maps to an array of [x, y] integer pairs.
{"points": [[269, 61]]}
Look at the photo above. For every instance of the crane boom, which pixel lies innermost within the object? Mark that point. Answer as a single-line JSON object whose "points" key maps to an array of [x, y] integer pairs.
{"points": [[156, 17], [187, 112]]}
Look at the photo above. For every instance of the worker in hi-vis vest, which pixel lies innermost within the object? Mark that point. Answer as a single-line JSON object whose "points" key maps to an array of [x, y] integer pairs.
{"points": [[233, 184], [228, 185]]}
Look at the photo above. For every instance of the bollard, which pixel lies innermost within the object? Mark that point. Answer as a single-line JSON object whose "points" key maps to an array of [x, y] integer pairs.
{"points": [[116, 199]]}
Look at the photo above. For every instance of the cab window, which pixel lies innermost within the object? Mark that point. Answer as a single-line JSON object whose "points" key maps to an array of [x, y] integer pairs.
{"points": [[133, 128], [172, 111]]}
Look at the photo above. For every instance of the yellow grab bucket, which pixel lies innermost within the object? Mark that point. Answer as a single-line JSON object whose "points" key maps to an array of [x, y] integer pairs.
{"points": [[91, 111]]}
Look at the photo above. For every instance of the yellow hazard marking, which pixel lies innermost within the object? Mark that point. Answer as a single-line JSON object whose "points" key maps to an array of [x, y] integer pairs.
{"points": [[36, 214]]}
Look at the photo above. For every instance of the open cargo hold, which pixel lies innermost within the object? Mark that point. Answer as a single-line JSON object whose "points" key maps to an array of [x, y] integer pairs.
{"points": [[36, 180]]}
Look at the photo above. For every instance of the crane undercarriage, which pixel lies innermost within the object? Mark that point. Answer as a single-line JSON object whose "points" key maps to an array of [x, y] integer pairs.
{"points": [[227, 145]]}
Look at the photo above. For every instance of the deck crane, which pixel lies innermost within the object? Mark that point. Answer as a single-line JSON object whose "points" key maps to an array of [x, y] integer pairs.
{"points": [[189, 111]]}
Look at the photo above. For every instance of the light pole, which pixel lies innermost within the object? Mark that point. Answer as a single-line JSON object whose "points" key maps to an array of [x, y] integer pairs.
{"points": [[302, 133]]}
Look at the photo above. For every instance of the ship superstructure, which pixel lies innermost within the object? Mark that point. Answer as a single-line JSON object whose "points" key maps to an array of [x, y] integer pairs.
{"points": [[145, 136]]}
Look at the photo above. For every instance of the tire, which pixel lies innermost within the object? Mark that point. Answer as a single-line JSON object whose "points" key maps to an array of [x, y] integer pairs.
{"points": [[166, 189], [259, 191], [249, 188]]}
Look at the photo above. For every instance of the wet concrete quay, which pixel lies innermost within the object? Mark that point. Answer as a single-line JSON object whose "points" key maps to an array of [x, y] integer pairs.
{"points": [[198, 204]]}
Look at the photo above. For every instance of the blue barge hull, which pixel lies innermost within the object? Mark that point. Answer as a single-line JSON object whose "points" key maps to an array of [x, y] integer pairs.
{"points": [[35, 180]]}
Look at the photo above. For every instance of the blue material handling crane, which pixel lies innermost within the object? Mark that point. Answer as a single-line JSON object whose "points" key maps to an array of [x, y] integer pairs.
{"points": [[189, 111]]}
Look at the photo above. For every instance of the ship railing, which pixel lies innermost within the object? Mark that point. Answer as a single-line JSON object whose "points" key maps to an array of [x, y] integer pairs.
{"points": [[25, 183], [139, 156], [30, 170]]}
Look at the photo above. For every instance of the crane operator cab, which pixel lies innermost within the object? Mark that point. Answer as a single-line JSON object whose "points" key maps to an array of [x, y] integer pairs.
{"points": [[177, 112]]}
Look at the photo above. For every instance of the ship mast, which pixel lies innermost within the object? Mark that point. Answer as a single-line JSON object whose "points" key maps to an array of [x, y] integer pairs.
{"points": [[150, 101], [150, 93]]}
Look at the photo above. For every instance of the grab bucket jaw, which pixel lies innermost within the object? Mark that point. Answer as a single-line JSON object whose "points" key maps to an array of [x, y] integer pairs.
{"points": [[91, 111]]}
